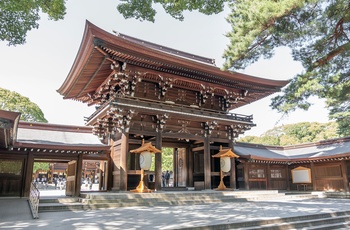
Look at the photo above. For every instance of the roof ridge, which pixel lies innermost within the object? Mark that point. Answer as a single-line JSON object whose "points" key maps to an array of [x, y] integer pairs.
{"points": [[166, 49]]}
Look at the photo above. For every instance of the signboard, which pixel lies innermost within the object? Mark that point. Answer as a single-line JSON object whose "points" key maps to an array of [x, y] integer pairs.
{"points": [[301, 175]]}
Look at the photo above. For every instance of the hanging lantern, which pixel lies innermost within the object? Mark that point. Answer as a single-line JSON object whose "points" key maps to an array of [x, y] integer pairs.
{"points": [[225, 164], [145, 160]]}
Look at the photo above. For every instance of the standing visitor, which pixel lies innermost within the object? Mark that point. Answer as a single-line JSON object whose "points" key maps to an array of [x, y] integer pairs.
{"points": [[167, 177], [163, 179]]}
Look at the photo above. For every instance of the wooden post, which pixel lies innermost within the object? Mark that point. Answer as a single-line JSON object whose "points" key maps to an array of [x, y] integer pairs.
{"points": [[207, 168], [246, 175], [176, 167], [158, 162], [313, 176], [344, 172], [28, 174], [233, 183], [288, 177], [268, 176], [123, 161], [190, 160]]}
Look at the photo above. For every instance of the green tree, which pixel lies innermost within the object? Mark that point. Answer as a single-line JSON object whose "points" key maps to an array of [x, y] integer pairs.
{"points": [[292, 134], [41, 166], [17, 17], [167, 159], [317, 33], [12, 101], [144, 10]]}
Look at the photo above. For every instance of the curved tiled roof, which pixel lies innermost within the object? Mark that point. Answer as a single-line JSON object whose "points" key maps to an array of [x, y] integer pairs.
{"points": [[62, 137], [99, 49], [335, 148]]}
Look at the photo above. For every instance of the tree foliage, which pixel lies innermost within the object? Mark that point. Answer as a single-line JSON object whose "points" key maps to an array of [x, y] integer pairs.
{"points": [[145, 10], [12, 101], [317, 33], [17, 17], [292, 134], [41, 166], [167, 160]]}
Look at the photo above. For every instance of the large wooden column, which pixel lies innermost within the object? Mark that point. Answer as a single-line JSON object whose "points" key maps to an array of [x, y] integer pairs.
{"points": [[190, 162], [207, 160], [233, 183], [158, 161], [29, 163], [123, 161]]}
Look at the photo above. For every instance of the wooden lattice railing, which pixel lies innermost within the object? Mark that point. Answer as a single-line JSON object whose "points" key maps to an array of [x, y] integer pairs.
{"points": [[34, 197]]}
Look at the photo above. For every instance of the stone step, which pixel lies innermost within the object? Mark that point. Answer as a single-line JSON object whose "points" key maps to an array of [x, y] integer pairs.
{"points": [[175, 195], [99, 201], [336, 220], [193, 199], [60, 200]]}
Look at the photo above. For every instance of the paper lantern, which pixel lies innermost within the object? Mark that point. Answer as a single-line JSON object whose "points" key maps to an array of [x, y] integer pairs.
{"points": [[225, 164], [145, 160]]}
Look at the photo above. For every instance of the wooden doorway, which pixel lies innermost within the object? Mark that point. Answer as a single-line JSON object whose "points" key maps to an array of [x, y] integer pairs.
{"points": [[71, 178], [175, 162], [180, 167]]}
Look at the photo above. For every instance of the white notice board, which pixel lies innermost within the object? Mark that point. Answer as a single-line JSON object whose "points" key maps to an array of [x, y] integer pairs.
{"points": [[301, 175]]}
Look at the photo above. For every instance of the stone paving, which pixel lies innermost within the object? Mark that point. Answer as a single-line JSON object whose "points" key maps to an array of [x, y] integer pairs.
{"points": [[15, 214]]}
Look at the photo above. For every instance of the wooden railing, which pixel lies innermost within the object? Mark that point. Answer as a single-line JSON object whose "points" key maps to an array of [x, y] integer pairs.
{"points": [[34, 197]]}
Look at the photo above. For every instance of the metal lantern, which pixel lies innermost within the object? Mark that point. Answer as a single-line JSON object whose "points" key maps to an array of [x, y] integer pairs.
{"points": [[145, 160]]}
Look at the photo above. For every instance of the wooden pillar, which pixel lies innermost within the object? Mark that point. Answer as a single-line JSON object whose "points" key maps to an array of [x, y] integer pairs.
{"points": [[344, 172], [288, 177], [233, 183], [189, 160], [175, 166], [123, 161], [207, 160], [246, 175], [79, 168], [158, 162], [268, 176], [313, 177], [29, 163]]}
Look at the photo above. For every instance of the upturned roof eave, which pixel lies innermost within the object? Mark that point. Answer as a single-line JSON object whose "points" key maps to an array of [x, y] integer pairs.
{"points": [[93, 32], [84, 51]]}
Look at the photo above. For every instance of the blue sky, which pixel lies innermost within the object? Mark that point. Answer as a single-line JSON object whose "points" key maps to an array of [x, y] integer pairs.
{"points": [[39, 67]]}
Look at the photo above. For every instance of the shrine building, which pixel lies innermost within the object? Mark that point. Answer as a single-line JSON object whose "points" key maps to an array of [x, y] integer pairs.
{"points": [[144, 92]]}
